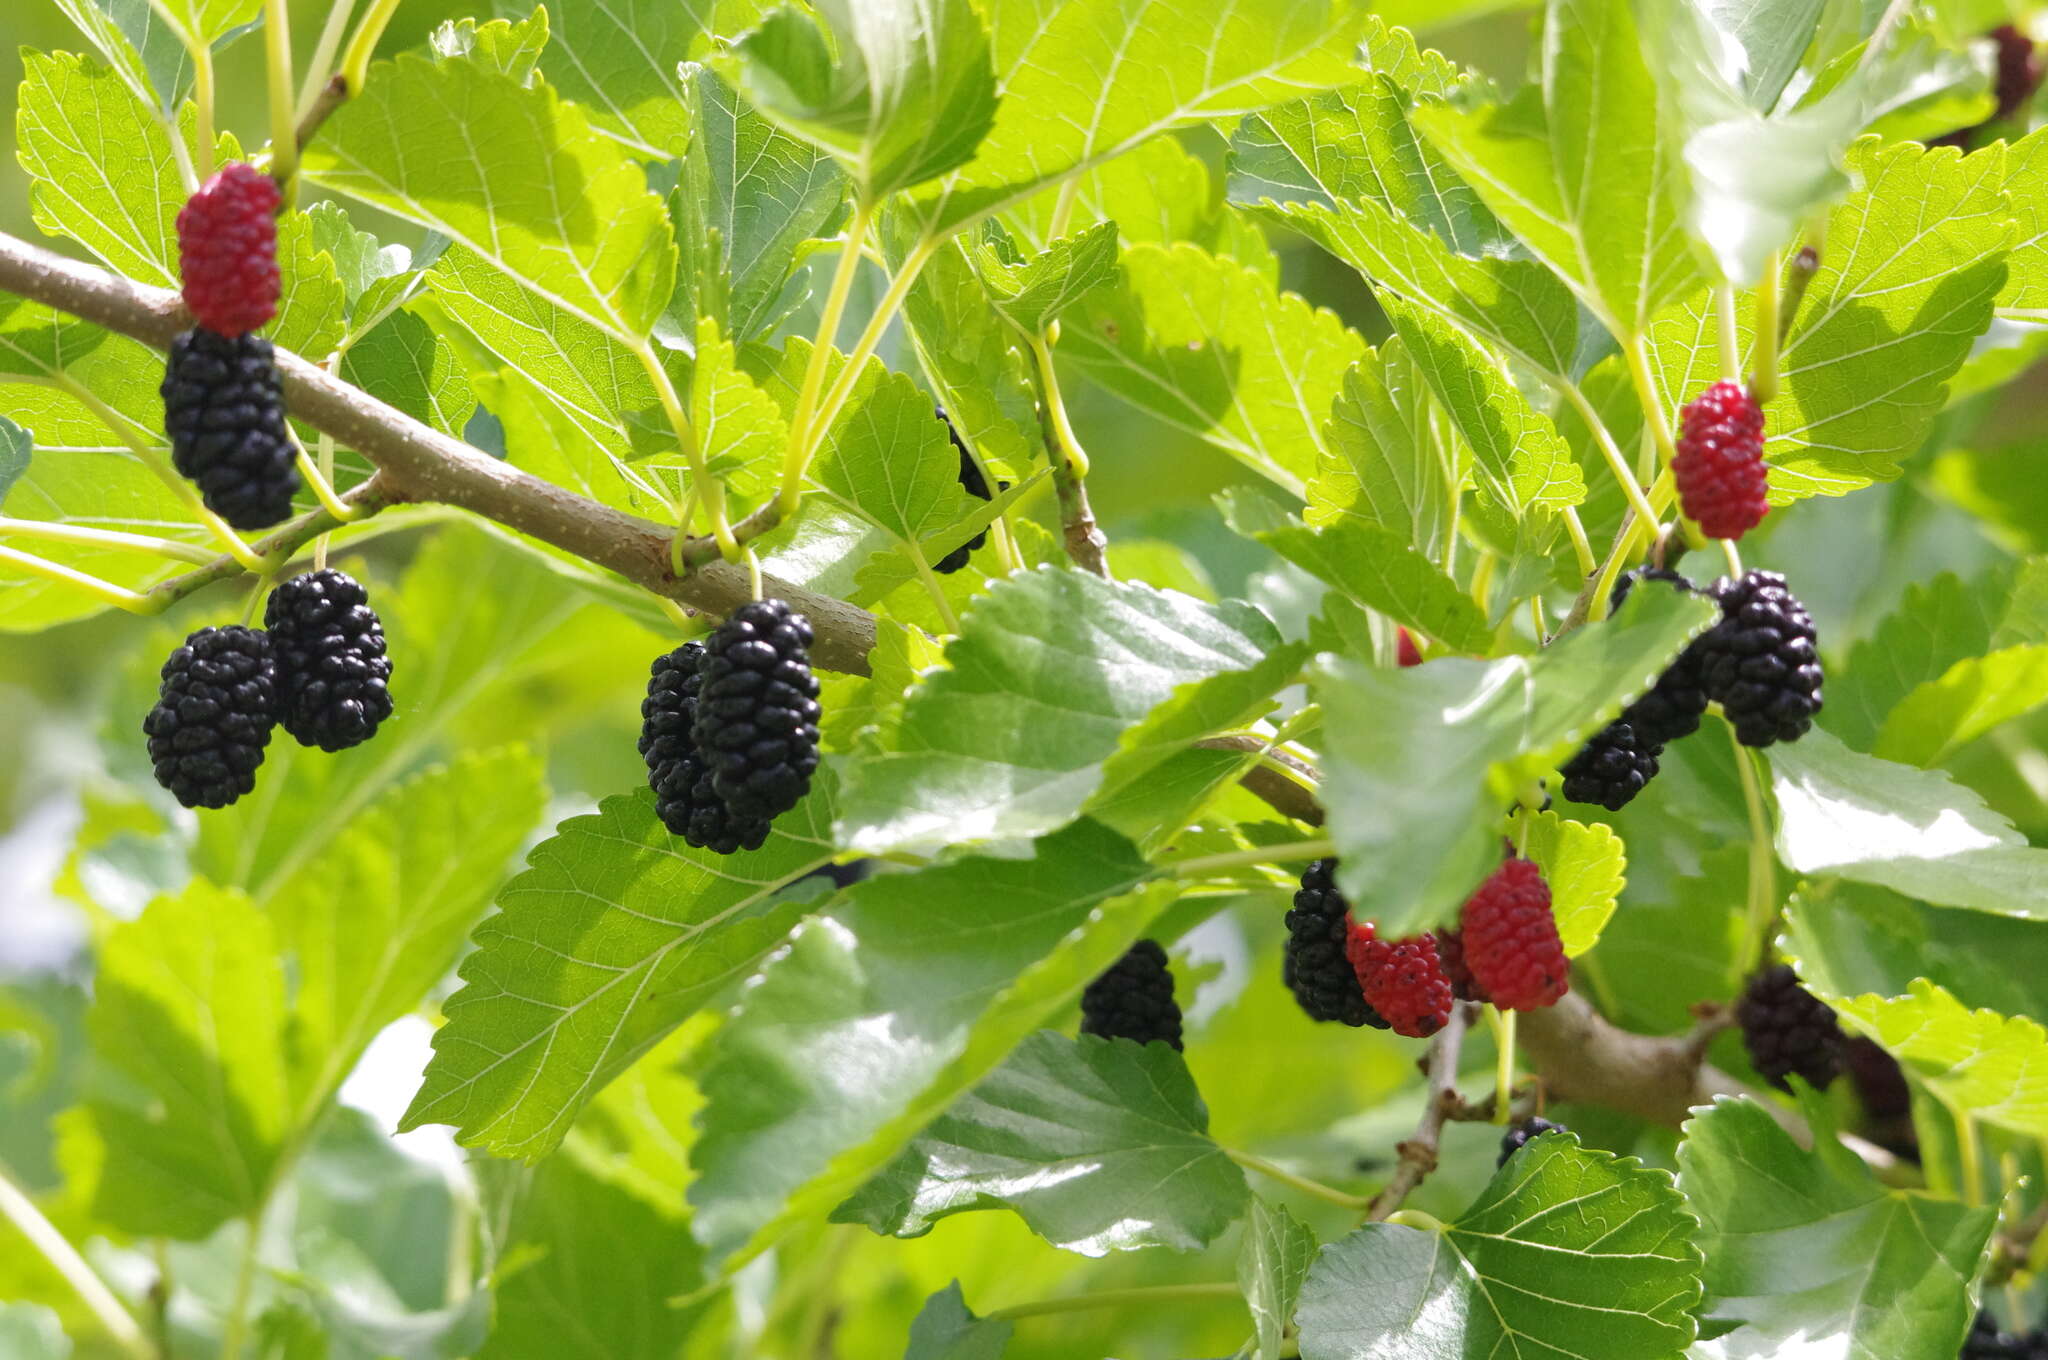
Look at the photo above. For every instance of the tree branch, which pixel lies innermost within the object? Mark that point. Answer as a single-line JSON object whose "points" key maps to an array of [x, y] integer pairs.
{"points": [[417, 463], [1418, 1152]]}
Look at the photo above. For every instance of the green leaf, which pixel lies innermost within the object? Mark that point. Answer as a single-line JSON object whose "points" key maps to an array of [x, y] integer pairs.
{"points": [[1085, 659], [1991, 1065], [29, 1331], [1914, 261], [1214, 348], [188, 1010], [899, 91], [1805, 1244], [1374, 566], [2026, 290], [582, 1295], [1520, 459], [360, 260], [1272, 1262], [1388, 458], [1974, 696], [1415, 757], [1586, 868], [208, 21], [311, 306], [133, 38], [1139, 68], [1100, 1145], [739, 428], [376, 919], [1914, 831], [616, 933], [763, 191], [1578, 168], [918, 998], [1851, 938], [619, 60], [1031, 293], [1567, 1251], [509, 47], [888, 456], [584, 406], [546, 198], [101, 166], [1517, 305], [946, 1330], [16, 448], [404, 363], [1938, 625]]}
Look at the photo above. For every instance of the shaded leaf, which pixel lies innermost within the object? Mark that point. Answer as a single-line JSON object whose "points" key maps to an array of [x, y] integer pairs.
{"points": [[1272, 1263]]}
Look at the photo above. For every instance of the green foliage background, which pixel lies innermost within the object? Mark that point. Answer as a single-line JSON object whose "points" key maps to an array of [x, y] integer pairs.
{"points": [[590, 1201]]}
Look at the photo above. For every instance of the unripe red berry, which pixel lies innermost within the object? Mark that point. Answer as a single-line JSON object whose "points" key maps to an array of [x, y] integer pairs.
{"points": [[1722, 480], [1510, 939], [227, 250], [1402, 980], [1406, 651]]}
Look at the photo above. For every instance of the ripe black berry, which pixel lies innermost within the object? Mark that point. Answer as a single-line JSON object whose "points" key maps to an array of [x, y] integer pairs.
{"points": [[1987, 1342], [757, 710], [1133, 999], [213, 716], [1316, 968], [684, 799], [1519, 1135], [224, 412], [1610, 769], [331, 667], [977, 486], [1760, 662], [1788, 1029]]}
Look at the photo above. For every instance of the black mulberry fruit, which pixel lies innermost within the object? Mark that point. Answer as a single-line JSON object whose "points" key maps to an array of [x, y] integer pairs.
{"points": [[683, 796], [332, 672], [977, 486], [1760, 662], [1133, 999], [1788, 1029], [213, 716], [757, 710], [224, 413], [1519, 1135], [1317, 969], [1611, 769], [1987, 1342]]}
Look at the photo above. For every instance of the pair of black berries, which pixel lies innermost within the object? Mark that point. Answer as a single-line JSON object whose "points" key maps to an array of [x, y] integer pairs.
{"points": [[317, 666], [224, 413], [1759, 662], [976, 485], [729, 728]]}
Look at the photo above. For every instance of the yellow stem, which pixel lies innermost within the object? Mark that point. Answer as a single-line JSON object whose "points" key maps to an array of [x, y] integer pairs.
{"points": [[1763, 370], [107, 538], [284, 132], [1763, 864], [202, 101], [1504, 1063], [318, 69], [1115, 1298], [1646, 393], [892, 302], [1580, 546], [1056, 407], [1616, 463], [936, 590], [703, 485], [355, 66], [105, 591], [323, 490], [1731, 335], [797, 456], [1281, 1174]]}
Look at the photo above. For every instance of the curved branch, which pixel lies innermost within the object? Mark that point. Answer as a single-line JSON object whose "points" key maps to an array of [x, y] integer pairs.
{"points": [[418, 463], [1418, 1152]]}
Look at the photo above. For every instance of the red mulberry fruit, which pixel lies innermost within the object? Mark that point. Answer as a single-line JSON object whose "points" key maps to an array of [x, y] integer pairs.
{"points": [[1402, 980], [1720, 469], [1511, 941], [227, 250]]}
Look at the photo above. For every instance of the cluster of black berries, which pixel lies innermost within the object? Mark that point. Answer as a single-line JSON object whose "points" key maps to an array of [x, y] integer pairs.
{"points": [[729, 728], [1788, 1030], [223, 400], [1133, 999], [1759, 662], [1987, 1342], [317, 667]]}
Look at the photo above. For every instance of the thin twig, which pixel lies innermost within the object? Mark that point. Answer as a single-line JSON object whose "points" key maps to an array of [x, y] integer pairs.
{"points": [[1418, 1151], [17, 1208]]}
